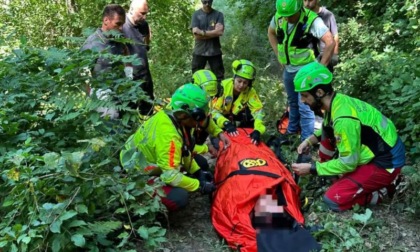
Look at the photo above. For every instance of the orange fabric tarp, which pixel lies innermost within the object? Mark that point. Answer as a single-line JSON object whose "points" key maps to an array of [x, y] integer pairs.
{"points": [[243, 172]]}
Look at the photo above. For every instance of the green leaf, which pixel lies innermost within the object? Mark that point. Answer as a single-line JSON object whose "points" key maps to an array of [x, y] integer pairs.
{"points": [[48, 206], [153, 230], [77, 223], [104, 227], [143, 232], [141, 211], [8, 203], [56, 244], [55, 226], [78, 240], [51, 159], [363, 218], [26, 239], [82, 208], [68, 215]]}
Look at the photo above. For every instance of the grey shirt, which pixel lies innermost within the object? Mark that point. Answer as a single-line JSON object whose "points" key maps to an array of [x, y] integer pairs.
{"points": [[207, 22], [98, 42], [137, 47], [329, 20]]}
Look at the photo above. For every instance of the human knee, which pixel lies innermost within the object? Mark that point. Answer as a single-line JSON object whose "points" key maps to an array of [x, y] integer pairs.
{"points": [[334, 206], [176, 198]]}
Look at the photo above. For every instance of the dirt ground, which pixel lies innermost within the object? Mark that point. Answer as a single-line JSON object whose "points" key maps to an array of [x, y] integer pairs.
{"points": [[191, 229]]}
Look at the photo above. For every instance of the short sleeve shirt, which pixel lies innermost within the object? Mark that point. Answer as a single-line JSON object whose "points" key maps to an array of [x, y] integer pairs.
{"points": [[329, 20], [207, 22], [318, 29]]}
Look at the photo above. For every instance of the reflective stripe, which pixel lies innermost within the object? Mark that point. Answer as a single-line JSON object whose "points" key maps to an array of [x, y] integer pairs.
{"points": [[172, 177], [303, 55], [172, 154], [326, 151], [259, 115], [350, 160], [384, 122]]}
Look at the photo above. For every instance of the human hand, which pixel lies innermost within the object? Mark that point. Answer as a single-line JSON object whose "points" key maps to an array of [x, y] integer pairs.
{"points": [[196, 30], [301, 169], [206, 187], [304, 147], [255, 137], [212, 150], [225, 140], [203, 176], [230, 128]]}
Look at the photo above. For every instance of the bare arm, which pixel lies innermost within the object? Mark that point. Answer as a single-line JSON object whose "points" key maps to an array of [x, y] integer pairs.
{"points": [[328, 49], [336, 40], [201, 34], [272, 38]]}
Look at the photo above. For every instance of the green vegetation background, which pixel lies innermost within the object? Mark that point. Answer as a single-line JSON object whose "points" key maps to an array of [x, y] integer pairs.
{"points": [[61, 185]]}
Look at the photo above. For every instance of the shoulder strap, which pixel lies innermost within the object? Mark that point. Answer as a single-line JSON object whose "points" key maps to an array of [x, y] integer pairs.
{"points": [[249, 172]]}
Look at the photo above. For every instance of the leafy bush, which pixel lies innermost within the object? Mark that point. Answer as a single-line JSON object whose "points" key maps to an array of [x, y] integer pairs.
{"points": [[61, 183]]}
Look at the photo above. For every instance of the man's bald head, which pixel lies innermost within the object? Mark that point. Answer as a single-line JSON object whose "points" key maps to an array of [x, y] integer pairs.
{"points": [[138, 11]]}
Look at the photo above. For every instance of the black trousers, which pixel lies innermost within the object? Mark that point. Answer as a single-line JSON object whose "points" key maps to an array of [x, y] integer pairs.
{"points": [[145, 107], [215, 62]]}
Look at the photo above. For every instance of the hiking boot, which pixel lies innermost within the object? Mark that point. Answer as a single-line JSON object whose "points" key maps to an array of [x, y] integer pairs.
{"points": [[391, 190]]}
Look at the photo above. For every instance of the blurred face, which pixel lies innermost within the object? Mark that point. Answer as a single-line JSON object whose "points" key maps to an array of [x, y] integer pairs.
{"points": [[293, 19], [267, 204], [207, 5], [186, 120], [240, 84], [310, 4], [309, 100], [137, 14], [115, 22]]}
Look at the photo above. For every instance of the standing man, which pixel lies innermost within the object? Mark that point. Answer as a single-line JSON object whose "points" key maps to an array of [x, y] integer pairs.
{"points": [[133, 28], [207, 26], [370, 152], [293, 34], [113, 18], [103, 40], [329, 20]]}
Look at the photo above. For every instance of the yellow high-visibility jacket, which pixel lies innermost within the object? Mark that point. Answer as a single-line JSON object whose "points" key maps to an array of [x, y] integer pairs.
{"points": [[161, 142], [225, 105]]}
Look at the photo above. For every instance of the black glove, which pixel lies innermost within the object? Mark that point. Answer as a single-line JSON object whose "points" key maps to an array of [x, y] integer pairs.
{"points": [[255, 136], [206, 187], [204, 176], [229, 127]]}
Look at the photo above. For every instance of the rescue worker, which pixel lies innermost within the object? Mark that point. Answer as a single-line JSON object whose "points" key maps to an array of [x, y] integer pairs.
{"points": [[167, 146], [240, 105], [370, 152], [207, 80], [294, 33]]}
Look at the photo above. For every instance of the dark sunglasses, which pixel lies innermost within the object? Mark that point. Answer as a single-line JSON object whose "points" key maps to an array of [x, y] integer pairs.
{"points": [[207, 2]]}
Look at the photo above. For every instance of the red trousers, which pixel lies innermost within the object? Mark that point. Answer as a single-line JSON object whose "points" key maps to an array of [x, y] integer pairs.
{"points": [[176, 198], [358, 186]]}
